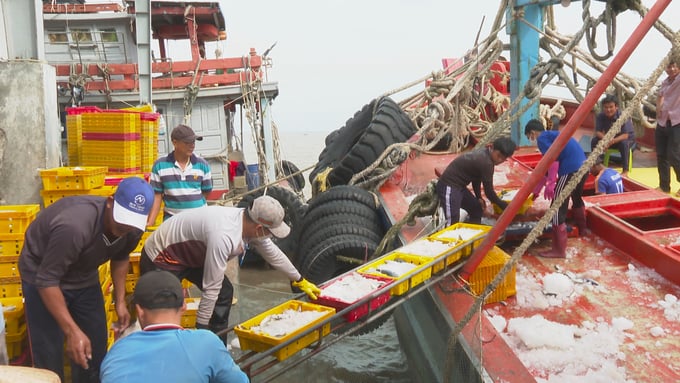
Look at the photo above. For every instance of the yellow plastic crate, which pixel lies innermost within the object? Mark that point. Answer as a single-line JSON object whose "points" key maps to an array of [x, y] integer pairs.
{"points": [[13, 310], [51, 196], [16, 342], [251, 340], [505, 195], [73, 178], [492, 263], [466, 245], [104, 272], [9, 266], [14, 219], [11, 244], [188, 319], [10, 287], [406, 281], [107, 285], [133, 270]]}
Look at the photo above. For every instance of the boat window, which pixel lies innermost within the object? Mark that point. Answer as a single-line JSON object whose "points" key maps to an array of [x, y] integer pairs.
{"points": [[108, 35], [56, 37], [81, 35]]}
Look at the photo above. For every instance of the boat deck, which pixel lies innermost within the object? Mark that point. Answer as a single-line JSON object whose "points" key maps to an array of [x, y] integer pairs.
{"points": [[614, 274]]}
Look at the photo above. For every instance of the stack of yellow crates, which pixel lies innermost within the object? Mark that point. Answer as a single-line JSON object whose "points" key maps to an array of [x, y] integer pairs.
{"points": [[69, 181], [112, 138], [14, 220], [74, 131], [149, 140]]}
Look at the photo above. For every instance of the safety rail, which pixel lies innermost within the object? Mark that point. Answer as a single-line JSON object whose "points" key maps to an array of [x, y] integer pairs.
{"points": [[256, 363]]}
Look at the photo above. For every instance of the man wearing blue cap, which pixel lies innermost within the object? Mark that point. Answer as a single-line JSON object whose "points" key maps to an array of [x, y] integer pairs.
{"points": [[63, 249]]}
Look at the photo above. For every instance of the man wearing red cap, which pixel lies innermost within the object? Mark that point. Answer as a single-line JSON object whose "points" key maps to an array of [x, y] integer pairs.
{"points": [[59, 262], [197, 244]]}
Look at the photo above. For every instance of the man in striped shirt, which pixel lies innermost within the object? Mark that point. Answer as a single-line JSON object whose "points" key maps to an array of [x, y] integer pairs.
{"points": [[181, 180]]}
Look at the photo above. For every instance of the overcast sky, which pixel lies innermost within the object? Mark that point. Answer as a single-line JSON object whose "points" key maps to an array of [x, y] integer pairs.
{"points": [[332, 57]]}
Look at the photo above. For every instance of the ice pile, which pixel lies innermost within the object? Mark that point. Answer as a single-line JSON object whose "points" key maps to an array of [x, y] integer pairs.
{"points": [[425, 248], [279, 325], [351, 288], [393, 268], [461, 234], [568, 353]]}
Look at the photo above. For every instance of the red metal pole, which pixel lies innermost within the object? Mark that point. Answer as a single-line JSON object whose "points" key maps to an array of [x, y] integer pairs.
{"points": [[564, 136]]}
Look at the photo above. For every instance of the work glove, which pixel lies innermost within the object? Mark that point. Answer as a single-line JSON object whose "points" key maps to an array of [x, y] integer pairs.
{"points": [[308, 288], [539, 186], [551, 181]]}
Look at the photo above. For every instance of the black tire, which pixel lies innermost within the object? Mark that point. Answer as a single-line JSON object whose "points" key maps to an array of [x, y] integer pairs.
{"points": [[339, 219], [389, 125], [321, 263], [331, 136], [297, 182], [349, 208], [345, 193], [292, 205], [339, 142], [320, 233]]}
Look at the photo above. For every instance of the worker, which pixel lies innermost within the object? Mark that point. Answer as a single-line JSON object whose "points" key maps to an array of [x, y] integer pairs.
{"points": [[181, 180], [624, 141], [63, 248], [474, 167], [607, 180], [164, 351], [570, 160], [197, 244]]}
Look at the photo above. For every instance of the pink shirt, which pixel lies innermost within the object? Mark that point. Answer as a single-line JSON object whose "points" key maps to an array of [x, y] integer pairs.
{"points": [[670, 109]]}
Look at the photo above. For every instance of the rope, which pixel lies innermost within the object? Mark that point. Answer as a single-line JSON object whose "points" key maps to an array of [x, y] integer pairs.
{"points": [[610, 23], [425, 204]]}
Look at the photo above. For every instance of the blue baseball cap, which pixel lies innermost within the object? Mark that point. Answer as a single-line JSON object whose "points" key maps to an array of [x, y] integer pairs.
{"points": [[132, 202]]}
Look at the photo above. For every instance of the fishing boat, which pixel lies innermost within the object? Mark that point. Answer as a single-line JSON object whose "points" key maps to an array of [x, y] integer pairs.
{"points": [[117, 55], [618, 308]]}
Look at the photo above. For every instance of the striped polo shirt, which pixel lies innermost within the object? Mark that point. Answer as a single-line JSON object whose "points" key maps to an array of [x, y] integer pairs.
{"points": [[181, 189]]}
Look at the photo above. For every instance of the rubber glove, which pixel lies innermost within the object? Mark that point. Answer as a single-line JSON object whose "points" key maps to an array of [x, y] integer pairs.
{"points": [[308, 288], [539, 186], [551, 181]]}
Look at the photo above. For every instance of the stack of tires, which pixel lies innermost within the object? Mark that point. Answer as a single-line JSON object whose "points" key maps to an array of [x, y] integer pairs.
{"points": [[365, 136], [343, 221]]}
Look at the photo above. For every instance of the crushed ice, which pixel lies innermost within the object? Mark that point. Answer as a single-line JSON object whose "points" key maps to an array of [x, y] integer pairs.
{"points": [[351, 288], [279, 325]]}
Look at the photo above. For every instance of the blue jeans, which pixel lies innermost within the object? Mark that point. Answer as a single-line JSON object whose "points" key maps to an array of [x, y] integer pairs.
{"points": [[86, 306]]}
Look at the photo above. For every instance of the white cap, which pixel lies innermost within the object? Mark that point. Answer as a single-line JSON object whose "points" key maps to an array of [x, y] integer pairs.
{"points": [[269, 213], [132, 202]]}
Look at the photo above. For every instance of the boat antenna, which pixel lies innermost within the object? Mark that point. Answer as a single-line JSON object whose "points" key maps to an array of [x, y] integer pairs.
{"points": [[269, 49], [479, 31]]}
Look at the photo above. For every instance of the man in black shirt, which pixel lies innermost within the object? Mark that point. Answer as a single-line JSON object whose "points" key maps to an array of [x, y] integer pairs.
{"points": [[59, 263], [475, 167]]}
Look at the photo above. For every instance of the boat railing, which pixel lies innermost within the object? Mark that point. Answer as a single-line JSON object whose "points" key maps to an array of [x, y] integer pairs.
{"points": [[167, 74]]}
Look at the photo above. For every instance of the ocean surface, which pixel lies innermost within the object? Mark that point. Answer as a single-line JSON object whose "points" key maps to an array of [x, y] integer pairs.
{"points": [[373, 357]]}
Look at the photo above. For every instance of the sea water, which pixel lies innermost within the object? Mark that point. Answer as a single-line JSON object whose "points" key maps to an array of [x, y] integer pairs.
{"points": [[373, 357]]}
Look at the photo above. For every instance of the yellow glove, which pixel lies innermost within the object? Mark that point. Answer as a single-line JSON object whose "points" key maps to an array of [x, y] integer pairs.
{"points": [[308, 287]]}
